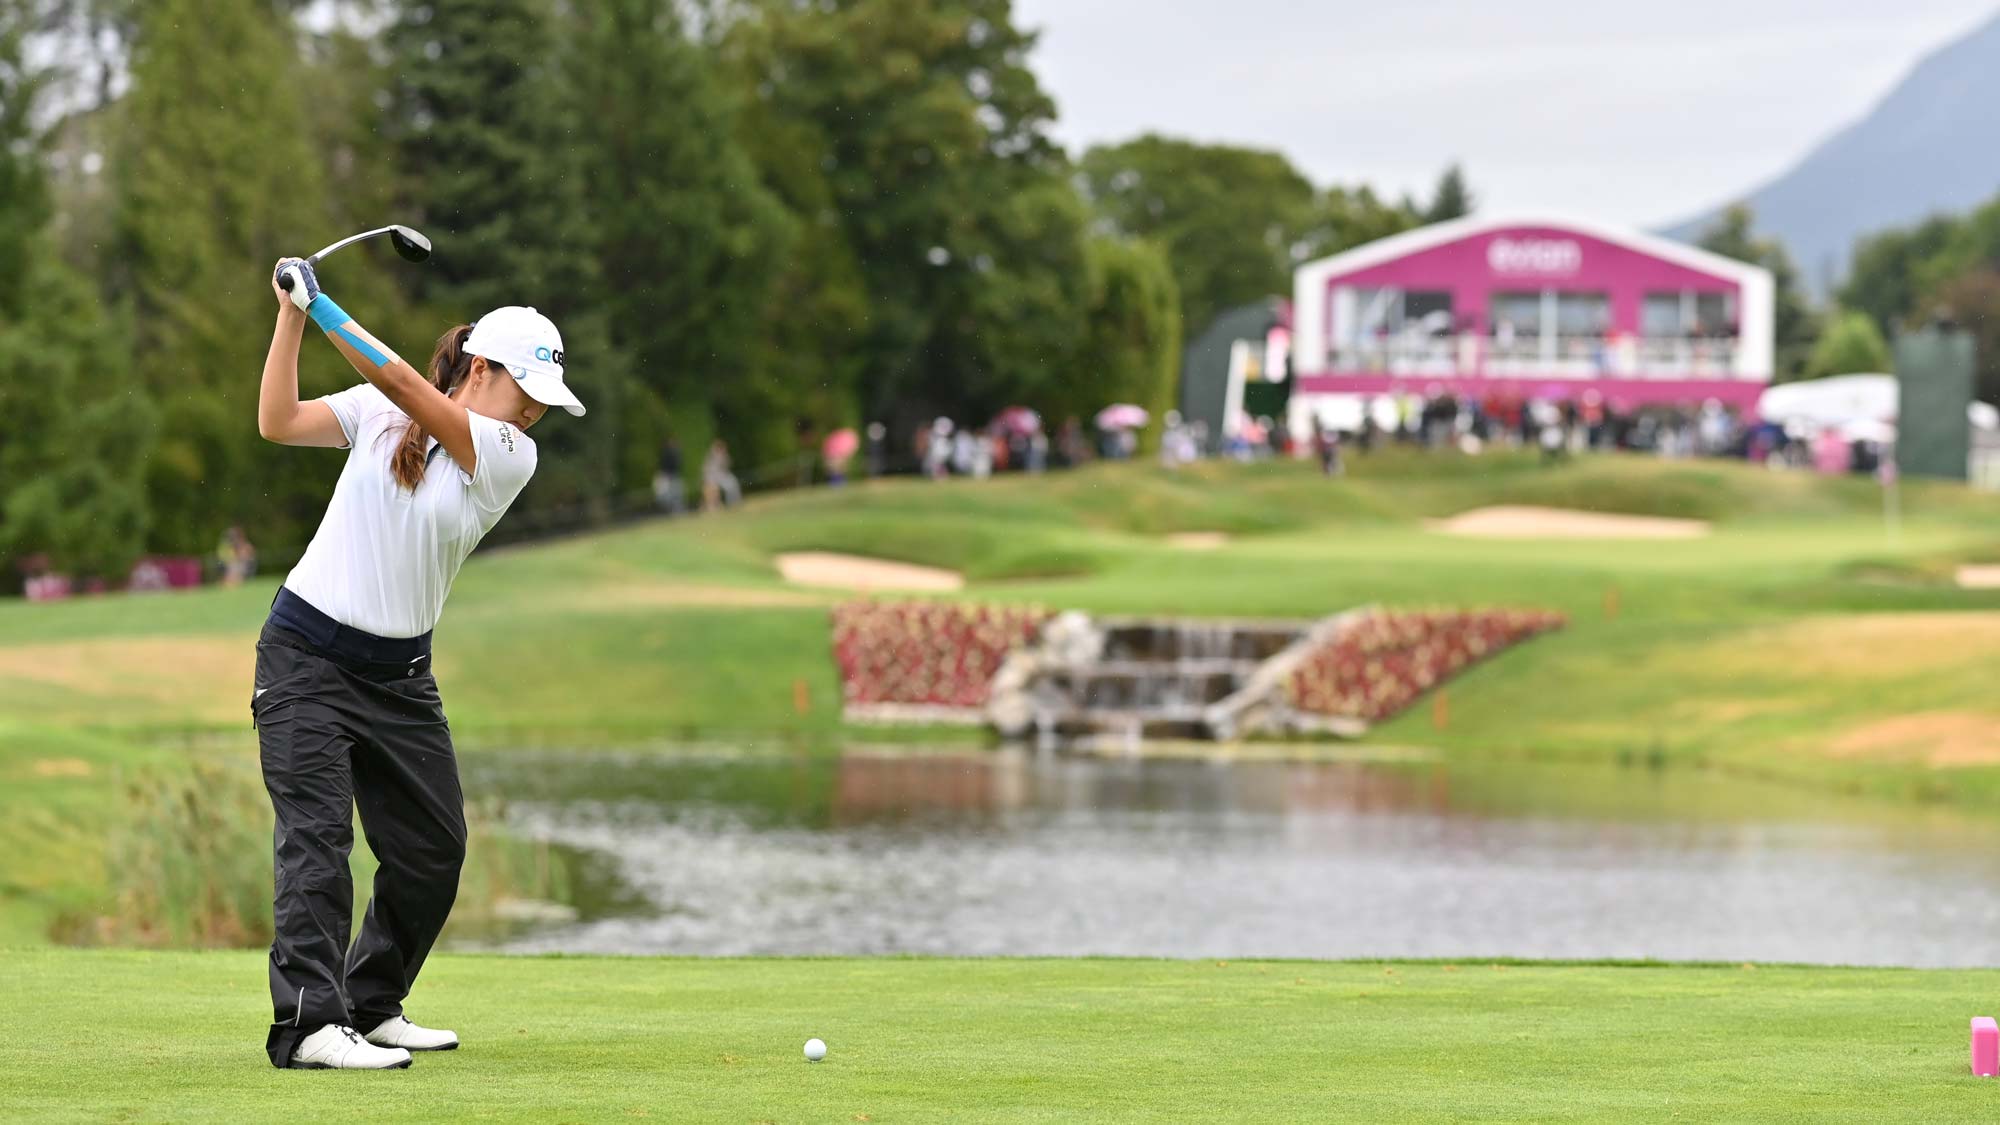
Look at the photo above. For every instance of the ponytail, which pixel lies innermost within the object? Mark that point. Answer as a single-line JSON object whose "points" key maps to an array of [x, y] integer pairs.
{"points": [[450, 364]]}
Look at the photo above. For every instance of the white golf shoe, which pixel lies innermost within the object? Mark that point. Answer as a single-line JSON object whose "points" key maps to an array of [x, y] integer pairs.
{"points": [[399, 1032], [334, 1047]]}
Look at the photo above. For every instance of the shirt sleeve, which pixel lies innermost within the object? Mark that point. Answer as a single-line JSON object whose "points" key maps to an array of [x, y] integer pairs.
{"points": [[354, 406], [505, 459]]}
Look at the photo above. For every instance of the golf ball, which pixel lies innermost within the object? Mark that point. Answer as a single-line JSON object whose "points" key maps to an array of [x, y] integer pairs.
{"points": [[815, 1050]]}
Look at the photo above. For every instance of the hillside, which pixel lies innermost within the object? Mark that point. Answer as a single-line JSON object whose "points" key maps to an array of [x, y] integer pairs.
{"points": [[1927, 146]]}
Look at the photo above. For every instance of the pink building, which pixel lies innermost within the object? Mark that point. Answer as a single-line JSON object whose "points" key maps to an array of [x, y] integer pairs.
{"points": [[1527, 308]]}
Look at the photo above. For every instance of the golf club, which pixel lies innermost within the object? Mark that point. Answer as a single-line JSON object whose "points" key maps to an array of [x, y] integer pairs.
{"points": [[409, 242]]}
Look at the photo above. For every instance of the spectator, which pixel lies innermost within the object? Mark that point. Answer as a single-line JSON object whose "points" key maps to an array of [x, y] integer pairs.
{"points": [[718, 484], [937, 452], [1071, 449], [238, 559], [669, 490], [877, 455], [1326, 443]]}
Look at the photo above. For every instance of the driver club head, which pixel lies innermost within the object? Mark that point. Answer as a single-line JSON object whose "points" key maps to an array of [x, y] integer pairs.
{"points": [[410, 243]]}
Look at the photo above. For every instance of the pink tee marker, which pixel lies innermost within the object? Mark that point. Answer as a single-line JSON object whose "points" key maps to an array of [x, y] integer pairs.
{"points": [[1985, 1047]]}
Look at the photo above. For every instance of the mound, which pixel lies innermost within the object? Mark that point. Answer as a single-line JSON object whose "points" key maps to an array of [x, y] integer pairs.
{"points": [[855, 572], [1520, 522]]}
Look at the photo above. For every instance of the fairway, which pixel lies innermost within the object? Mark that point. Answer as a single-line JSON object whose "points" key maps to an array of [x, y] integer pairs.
{"points": [[592, 1039]]}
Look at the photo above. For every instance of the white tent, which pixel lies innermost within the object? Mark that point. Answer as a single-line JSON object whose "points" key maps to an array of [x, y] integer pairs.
{"points": [[1836, 401]]}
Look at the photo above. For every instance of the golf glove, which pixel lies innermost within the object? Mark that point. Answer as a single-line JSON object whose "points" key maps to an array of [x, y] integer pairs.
{"points": [[304, 284]]}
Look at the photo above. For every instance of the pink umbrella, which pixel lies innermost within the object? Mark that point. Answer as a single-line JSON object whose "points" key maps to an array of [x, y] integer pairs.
{"points": [[1122, 416], [840, 445], [1018, 420]]}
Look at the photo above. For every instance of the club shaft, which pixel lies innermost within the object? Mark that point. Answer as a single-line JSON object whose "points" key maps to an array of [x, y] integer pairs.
{"points": [[314, 260]]}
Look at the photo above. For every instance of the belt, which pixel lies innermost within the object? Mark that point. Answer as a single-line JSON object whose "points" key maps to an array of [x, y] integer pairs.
{"points": [[292, 612]]}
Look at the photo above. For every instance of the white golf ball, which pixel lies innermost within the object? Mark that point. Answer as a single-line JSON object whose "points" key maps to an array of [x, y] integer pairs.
{"points": [[815, 1050]]}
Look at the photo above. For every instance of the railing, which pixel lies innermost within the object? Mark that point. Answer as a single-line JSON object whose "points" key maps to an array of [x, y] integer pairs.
{"points": [[1579, 356]]}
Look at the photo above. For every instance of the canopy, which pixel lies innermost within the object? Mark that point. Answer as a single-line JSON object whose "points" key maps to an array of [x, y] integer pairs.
{"points": [[1835, 401]]}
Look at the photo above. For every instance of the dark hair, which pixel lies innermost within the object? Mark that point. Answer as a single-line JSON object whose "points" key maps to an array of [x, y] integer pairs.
{"points": [[450, 364]]}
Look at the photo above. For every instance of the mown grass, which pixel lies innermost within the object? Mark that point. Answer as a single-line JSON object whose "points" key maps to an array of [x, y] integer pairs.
{"points": [[178, 1037], [1715, 652]]}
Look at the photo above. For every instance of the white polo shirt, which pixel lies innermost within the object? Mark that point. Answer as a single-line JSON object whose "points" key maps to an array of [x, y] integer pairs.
{"points": [[383, 558]]}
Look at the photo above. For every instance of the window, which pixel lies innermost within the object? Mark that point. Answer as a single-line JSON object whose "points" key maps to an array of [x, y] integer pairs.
{"points": [[1430, 310], [1517, 315], [1715, 314], [1660, 316], [1583, 314]]}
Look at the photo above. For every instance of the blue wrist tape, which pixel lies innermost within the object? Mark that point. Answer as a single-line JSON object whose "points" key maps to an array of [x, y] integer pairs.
{"points": [[326, 314]]}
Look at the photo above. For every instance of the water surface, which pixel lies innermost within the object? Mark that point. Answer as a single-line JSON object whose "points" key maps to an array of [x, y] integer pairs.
{"points": [[982, 852]]}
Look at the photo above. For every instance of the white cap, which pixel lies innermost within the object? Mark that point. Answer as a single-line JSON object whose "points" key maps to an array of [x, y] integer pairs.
{"points": [[527, 344]]}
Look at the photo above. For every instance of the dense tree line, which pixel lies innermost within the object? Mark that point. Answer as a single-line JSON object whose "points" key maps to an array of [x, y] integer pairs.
{"points": [[753, 219]]}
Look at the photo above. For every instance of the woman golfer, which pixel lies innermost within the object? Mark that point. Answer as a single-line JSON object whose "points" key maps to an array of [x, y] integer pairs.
{"points": [[347, 711]]}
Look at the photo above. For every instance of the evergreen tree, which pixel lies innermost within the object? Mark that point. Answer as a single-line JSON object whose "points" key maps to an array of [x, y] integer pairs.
{"points": [[917, 131], [1452, 200], [689, 240], [75, 429], [1131, 348], [485, 132], [215, 178]]}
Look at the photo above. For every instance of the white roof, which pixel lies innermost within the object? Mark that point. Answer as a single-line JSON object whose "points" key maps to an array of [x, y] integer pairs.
{"points": [[1438, 234]]}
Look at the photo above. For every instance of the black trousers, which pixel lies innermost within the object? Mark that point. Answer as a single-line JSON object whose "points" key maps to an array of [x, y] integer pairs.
{"points": [[345, 719]]}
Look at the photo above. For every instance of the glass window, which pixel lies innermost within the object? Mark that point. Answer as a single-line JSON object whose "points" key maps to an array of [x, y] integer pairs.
{"points": [[1660, 316], [1714, 314], [1583, 314], [1518, 315], [1431, 309]]}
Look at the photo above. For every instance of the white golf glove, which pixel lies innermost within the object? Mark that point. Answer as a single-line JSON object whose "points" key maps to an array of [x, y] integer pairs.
{"points": [[304, 285]]}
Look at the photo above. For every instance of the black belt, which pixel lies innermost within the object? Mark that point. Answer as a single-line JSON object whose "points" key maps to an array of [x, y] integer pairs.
{"points": [[295, 614]]}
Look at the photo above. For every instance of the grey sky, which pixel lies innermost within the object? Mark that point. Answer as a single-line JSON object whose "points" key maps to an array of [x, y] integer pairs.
{"points": [[1639, 113]]}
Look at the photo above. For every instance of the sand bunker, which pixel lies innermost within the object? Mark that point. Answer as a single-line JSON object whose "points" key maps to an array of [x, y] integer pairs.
{"points": [[1520, 522], [1198, 540], [1979, 577], [855, 572]]}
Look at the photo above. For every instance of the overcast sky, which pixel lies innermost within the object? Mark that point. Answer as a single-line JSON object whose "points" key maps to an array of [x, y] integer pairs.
{"points": [[1635, 112]]}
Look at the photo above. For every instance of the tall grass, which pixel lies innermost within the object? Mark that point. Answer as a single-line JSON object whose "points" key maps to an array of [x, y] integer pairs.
{"points": [[189, 865]]}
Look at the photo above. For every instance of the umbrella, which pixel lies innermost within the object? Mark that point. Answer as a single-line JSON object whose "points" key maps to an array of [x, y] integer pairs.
{"points": [[1122, 416], [840, 445], [1018, 420]]}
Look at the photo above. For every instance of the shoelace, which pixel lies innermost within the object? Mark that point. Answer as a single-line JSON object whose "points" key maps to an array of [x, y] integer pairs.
{"points": [[352, 1035]]}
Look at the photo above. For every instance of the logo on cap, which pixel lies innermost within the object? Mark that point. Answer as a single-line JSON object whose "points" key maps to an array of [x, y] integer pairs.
{"points": [[547, 356]]}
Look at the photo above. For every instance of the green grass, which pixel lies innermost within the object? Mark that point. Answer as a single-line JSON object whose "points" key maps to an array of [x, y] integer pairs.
{"points": [[1798, 628], [179, 1037]]}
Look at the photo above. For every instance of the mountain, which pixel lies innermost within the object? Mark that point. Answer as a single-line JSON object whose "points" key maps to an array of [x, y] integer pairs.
{"points": [[1929, 146]]}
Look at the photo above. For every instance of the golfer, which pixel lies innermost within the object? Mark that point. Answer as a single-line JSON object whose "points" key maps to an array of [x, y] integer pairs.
{"points": [[346, 708]]}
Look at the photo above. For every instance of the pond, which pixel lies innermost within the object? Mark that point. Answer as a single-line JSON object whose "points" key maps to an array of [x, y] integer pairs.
{"points": [[974, 852]]}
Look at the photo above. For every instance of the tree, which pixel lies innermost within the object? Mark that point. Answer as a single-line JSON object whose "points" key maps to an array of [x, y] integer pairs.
{"points": [[213, 177], [1794, 325], [909, 139], [486, 132], [1343, 218], [1972, 300], [1886, 280], [75, 429], [1131, 350], [1452, 200], [689, 240], [1851, 344], [1227, 217]]}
